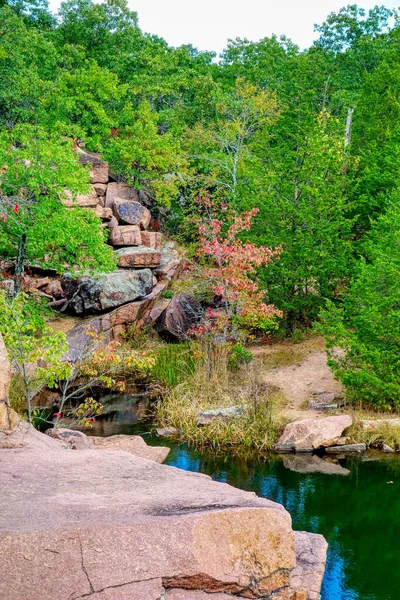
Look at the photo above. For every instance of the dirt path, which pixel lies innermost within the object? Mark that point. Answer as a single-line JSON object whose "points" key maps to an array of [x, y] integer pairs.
{"points": [[297, 370]]}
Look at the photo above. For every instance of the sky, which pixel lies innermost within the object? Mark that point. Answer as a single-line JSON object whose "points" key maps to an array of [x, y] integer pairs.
{"points": [[208, 24]]}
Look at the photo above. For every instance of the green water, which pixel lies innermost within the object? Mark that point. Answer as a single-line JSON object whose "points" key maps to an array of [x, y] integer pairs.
{"points": [[357, 510], [358, 513]]}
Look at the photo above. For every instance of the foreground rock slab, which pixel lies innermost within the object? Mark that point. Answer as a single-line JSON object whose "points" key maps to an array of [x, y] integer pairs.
{"points": [[310, 434], [111, 526]]}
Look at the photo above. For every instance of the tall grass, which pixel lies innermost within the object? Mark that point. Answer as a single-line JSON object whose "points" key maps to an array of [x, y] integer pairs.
{"points": [[210, 385]]}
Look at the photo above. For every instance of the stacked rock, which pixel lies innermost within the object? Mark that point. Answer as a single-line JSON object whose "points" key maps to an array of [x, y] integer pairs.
{"points": [[118, 205]]}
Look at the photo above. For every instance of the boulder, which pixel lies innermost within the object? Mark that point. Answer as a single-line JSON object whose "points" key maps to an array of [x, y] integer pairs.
{"points": [[182, 314], [138, 257], [134, 444], [170, 266], [88, 295], [126, 235], [311, 549], [130, 212], [309, 434], [346, 448], [73, 438], [218, 414], [167, 431], [99, 171], [387, 449], [89, 200], [120, 190], [105, 214], [151, 239], [100, 189]]}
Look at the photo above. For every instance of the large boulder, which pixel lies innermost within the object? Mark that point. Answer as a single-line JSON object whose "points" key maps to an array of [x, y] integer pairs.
{"points": [[310, 434], [182, 314], [130, 212], [138, 257], [126, 235], [120, 190], [88, 295], [106, 522]]}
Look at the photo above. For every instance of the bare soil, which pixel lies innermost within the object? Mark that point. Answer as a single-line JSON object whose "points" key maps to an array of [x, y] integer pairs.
{"points": [[297, 369]]}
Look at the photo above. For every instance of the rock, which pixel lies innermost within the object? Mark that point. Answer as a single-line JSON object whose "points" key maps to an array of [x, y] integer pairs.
{"points": [[326, 397], [105, 214], [122, 191], [100, 189], [8, 285], [137, 257], [346, 448], [170, 267], [314, 405], [231, 412], [88, 200], [387, 449], [99, 168], [131, 212], [71, 437], [167, 431], [311, 551], [55, 289], [89, 295], [126, 235], [182, 314], [134, 444], [9, 419], [151, 239], [372, 425], [194, 595], [119, 516], [309, 434], [310, 463]]}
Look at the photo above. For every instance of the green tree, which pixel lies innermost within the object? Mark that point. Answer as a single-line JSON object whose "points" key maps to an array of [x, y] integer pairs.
{"points": [[36, 168], [367, 328]]}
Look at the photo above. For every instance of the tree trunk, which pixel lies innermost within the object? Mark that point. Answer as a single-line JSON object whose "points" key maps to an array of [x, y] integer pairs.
{"points": [[19, 269]]}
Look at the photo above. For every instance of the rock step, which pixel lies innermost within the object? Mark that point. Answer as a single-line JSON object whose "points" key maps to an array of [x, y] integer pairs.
{"points": [[138, 257], [126, 235]]}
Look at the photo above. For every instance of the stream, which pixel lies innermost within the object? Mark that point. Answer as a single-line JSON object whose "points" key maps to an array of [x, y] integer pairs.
{"points": [[355, 504]]}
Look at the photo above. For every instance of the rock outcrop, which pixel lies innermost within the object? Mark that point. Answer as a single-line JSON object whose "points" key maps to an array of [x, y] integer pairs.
{"points": [[182, 314], [88, 295], [102, 525], [310, 434]]}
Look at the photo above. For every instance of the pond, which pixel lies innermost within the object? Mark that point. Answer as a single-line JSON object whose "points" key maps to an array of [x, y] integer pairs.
{"points": [[356, 507]]}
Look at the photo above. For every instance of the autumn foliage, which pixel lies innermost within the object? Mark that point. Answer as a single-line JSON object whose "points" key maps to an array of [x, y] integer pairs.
{"points": [[231, 270]]}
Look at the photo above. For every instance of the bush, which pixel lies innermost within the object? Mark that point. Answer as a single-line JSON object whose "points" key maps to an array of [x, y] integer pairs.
{"points": [[239, 356], [363, 337]]}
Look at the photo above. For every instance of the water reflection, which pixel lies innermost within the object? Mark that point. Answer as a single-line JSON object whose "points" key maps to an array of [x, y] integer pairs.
{"points": [[359, 514]]}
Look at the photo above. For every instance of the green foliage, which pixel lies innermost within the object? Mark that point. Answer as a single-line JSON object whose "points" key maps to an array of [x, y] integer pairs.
{"points": [[35, 350], [239, 356], [36, 168], [174, 363], [367, 327]]}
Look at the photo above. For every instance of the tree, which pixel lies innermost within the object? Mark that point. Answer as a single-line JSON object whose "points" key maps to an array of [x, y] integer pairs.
{"points": [[233, 265], [36, 168], [35, 350], [367, 327]]}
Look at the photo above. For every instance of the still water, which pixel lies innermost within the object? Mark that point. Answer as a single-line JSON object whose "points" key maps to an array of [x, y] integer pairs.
{"points": [[355, 505]]}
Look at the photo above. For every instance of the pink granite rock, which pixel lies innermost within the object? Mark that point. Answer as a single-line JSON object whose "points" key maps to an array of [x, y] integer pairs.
{"points": [[126, 235], [138, 257], [134, 444], [130, 212], [151, 239], [84, 522], [120, 190], [309, 434], [194, 595], [311, 551]]}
